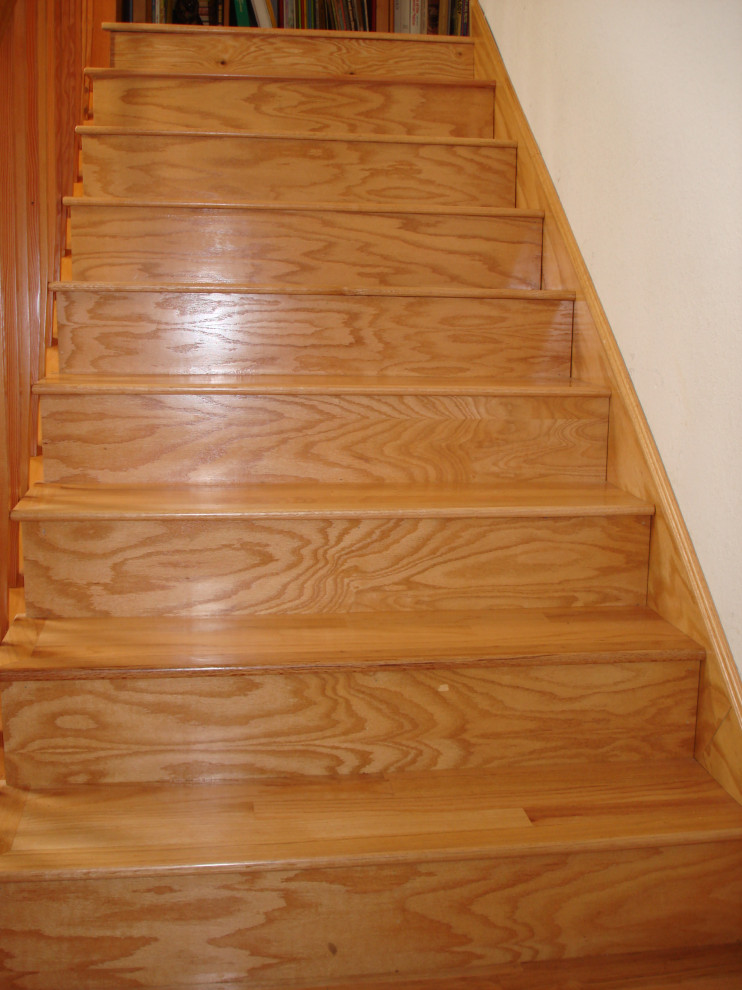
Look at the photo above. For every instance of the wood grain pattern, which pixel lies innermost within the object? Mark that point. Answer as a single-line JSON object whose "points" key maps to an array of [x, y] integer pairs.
{"points": [[178, 49], [173, 501], [503, 890], [217, 567], [116, 330], [42, 649], [278, 927], [234, 438], [279, 104], [332, 722], [717, 967], [304, 246], [285, 168], [677, 587]]}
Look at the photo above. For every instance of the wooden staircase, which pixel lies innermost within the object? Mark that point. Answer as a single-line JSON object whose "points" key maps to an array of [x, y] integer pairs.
{"points": [[337, 667]]}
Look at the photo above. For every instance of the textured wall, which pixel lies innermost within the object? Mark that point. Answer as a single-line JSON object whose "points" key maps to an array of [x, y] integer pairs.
{"points": [[637, 107]]}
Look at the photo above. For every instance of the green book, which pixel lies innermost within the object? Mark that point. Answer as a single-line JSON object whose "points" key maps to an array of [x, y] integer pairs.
{"points": [[243, 14]]}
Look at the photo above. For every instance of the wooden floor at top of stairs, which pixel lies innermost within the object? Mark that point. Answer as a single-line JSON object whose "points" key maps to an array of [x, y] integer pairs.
{"points": [[125, 830], [123, 647]]}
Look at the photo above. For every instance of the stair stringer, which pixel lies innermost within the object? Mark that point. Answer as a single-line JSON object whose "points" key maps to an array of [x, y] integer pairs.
{"points": [[676, 589]]}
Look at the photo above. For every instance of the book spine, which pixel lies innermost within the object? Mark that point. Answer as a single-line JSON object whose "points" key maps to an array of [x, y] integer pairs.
{"points": [[416, 19]]}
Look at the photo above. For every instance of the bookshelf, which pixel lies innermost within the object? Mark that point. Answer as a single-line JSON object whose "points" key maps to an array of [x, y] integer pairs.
{"points": [[448, 17]]}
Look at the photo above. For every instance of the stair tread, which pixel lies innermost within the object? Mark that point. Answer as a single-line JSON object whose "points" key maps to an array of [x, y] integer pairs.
{"points": [[282, 823], [92, 130], [94, 72], [140, 27], [262, 384], [110, 647], [53, 501], [716, 967], [419, 207], [450, 292]]}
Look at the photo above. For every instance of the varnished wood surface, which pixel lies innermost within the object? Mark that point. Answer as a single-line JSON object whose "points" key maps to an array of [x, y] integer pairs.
{"points": [[716, 967], [56, 649], [54, 502], [346, 104], [285, 168], [301, 245], [176, 48], [375, 819], [337, 722], [107, 329], [273, 565], [273, 929], [363, 434]]}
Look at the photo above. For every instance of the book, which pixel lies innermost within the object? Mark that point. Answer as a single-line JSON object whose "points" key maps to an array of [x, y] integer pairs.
{"points": [[243, 14], [264, 13], [444, 17]]}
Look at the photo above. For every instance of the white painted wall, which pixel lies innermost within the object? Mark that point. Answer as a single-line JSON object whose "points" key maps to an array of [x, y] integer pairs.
{"points": [[637, 108]]}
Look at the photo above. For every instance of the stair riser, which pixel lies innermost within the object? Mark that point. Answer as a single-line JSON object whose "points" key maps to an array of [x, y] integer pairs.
{"points": [[229, 566], [322, 924], [281, 169], [217, 333], [292, 53], [304, 248], [308, 106], [242, 439], [325, 722]]}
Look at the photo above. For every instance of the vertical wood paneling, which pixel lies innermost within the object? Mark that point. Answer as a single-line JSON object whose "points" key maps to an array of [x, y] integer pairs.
{"points": [[41, 62]]}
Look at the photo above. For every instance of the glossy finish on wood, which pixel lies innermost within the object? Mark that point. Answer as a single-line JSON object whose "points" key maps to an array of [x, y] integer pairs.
{"points": [[42, 649], [339, 722], [717, 967], [303, 245], [497, 865], [302, 551], [357, 432], [179, 48], [289, 168], [108, 329], [442, 731], [278, 104]]}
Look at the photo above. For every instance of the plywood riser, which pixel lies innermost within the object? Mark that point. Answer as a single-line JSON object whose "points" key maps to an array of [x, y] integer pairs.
{"points": [[337, 722], [304, 247], [320, 924], [118, 331], [258, 168], [333, 52], [218, 566], [277, 105], [240, 439]]}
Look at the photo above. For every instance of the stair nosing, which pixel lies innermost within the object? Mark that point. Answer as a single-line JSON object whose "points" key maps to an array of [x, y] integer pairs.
{"points": [[96, 72], [402, 208], [77, 502], [92, 130], [308, 384], [76, 285]]}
